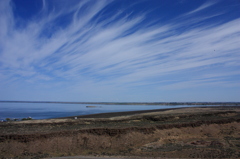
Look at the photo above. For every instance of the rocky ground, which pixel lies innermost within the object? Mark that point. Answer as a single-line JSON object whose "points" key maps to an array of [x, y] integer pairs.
{"points": [[210, 132]]}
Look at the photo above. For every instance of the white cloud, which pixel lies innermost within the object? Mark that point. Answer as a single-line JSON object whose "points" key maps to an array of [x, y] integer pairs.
{"points": [[118, 51], [202, 7]]}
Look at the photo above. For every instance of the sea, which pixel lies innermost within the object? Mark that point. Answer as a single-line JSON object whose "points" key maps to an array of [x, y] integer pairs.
{"points": [[56, 110]]}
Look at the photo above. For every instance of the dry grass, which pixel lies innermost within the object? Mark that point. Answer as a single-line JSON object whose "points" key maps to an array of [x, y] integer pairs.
{"points": [[181, 133]]}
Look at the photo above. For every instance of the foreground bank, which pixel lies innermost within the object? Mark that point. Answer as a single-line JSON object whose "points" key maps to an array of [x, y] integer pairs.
{"points": [[187, 132]]}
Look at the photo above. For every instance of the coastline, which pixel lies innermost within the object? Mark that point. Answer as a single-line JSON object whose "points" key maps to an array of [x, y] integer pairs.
{"points": [[131, 103], [188, 132], [127, 113], [37, 111]]}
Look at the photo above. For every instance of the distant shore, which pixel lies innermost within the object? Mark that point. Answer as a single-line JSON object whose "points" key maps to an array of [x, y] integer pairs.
{"points": [[132, 103], [127, 113]]}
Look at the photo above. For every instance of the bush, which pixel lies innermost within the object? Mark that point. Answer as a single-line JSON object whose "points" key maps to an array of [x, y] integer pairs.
{"points": [[29, 118]]}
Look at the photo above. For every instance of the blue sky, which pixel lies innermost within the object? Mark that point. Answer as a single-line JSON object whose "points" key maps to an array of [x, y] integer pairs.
{"points": [[120, 50]]}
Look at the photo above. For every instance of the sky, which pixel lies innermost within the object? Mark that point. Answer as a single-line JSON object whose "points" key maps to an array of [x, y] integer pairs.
{"points": [[120, 50]]}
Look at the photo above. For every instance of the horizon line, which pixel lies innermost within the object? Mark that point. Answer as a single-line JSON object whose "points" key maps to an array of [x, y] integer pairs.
{"points": [[79, 102]]}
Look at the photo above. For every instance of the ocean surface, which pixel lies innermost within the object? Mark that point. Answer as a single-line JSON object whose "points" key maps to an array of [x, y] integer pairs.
{"points": [[55, 110]]}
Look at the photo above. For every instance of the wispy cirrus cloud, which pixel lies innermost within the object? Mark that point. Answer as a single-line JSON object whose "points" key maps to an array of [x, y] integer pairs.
{"points": [[202, 7], [94, 47]]}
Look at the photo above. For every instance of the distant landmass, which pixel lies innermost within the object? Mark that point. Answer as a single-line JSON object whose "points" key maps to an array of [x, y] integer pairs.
{"points": [[133, 103]]}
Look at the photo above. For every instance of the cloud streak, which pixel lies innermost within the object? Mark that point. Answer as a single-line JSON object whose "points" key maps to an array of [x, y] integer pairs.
{"points": [[202, 7], [117, 49]]}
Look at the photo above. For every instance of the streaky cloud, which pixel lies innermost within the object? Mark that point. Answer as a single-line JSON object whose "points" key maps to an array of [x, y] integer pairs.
{"points": [[118, 49]]}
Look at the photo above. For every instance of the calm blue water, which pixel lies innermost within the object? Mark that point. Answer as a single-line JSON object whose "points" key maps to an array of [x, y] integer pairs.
{"points": [[54, 110]]}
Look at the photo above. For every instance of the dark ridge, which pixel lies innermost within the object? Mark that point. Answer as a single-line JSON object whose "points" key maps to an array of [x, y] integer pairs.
{"points": [[115, 114], [111, 131]]}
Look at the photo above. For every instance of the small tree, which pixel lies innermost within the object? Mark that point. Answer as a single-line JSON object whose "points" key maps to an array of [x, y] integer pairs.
{"points": [[8, 119]]}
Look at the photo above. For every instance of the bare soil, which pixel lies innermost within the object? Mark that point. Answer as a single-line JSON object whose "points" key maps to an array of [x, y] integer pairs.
{"points": [[203, 132]]}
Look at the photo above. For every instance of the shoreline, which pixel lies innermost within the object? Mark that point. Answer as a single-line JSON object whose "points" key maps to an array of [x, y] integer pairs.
{"points": [[127, 113]]}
